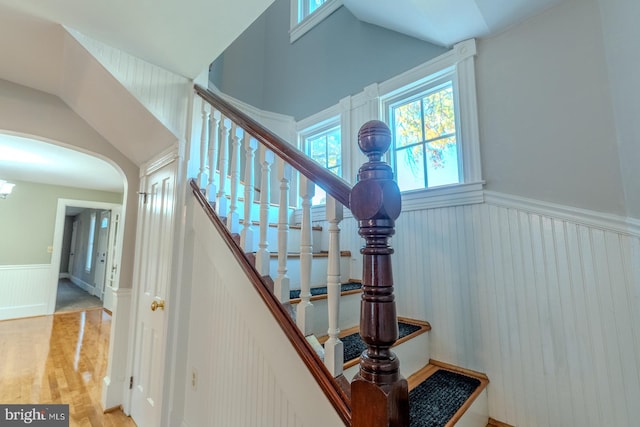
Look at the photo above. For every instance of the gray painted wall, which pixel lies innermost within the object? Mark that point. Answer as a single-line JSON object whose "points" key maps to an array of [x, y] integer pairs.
{"points": [[621, 34], [29, 215], [546, 122], [337, 58]]}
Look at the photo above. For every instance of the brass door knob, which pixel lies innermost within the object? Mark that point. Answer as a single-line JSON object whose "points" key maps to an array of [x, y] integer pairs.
{"points": [[157, 304]]}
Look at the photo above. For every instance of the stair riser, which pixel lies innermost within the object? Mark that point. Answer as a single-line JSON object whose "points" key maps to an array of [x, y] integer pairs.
{"points": [[413, 355], [318, 270], [478, 413], [349, 314], [293, 240], [255, 212]]}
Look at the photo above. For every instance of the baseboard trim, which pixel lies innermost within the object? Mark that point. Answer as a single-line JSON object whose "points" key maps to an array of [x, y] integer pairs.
{"points": [[112, 409], [29, 310], [82, 284]]}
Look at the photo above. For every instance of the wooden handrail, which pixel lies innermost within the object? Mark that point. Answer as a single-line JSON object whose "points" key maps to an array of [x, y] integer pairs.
{"points": [[379, 393], [331, 389], [335, 186]]}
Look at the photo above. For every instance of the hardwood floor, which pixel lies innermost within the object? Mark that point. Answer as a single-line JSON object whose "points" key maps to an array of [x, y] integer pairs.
{"points": [[59, 359]]}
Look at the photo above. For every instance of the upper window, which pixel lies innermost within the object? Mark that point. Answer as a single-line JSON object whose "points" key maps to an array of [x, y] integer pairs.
{"points": [[323, 144], [307, 7], [306, 14], [425, 145]]}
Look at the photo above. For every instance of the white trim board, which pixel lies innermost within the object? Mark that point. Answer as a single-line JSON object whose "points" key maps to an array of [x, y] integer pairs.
{"points": [[298, 29]]}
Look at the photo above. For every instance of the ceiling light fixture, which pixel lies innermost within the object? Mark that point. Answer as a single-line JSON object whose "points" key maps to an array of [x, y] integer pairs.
{"points": [[5, 188]]}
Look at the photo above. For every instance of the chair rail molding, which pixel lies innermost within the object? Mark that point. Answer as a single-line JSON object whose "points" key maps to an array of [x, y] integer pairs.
{"points": [[589, 218]]}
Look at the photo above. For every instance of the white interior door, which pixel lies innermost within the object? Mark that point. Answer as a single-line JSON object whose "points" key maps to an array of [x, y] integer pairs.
{"points": [[102, 253], [156, 220]]}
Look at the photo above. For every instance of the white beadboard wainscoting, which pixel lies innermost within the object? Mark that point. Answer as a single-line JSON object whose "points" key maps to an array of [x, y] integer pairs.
{"points": [[24, 290], [162, 92], [544, 299], [241, 368]]}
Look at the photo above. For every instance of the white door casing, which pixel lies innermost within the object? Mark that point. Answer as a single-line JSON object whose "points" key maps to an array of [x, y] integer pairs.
{"points": [[156, 219], [113, 250]]}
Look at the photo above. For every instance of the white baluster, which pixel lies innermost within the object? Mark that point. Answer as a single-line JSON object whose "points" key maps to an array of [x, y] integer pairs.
{"points": [[246, 236], [214, 140], [333, 347], [204, 141], [304, 312], [282, 284], [263, 256], [233, 219], [221, 197]]}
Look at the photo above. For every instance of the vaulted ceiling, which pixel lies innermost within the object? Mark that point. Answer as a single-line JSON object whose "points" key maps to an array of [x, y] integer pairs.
{"points": [[446, 22]]}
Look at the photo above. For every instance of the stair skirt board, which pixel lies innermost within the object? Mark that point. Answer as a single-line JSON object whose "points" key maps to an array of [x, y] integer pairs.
{"points": [[443, 395]]}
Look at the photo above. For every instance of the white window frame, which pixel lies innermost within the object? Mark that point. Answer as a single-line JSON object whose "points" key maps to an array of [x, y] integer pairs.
{"points": [[337, 115], [299, 28], [320, 127], [456, 65], [415, 93]]}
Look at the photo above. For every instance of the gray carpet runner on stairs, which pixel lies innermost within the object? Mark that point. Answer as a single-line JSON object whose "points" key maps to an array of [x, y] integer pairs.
{"points": [[436, 400], [322, 290], [354, 346]]}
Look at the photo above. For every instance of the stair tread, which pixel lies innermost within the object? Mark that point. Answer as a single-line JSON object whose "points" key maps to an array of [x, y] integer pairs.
{"points": [[291, 226], [441, 393], [320, 292], [322, 254], [408, 329]]}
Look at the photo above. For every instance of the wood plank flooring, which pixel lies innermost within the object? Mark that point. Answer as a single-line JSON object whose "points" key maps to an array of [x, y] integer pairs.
{"points": [[59, 359]]}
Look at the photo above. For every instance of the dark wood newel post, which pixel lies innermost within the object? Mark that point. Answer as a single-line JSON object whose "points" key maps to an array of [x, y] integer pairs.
{"points": [[379, 394]]}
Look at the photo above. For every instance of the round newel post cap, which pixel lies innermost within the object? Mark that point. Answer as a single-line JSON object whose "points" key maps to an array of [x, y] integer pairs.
{"points": [[374, 139]]}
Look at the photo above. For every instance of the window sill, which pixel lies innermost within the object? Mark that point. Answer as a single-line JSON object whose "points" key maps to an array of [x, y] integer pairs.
{"points": [[445, 196], [299, 29], [429, 198]]}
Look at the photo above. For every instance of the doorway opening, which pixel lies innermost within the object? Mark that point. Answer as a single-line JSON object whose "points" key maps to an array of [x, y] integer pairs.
{"points": [[86, 250]]}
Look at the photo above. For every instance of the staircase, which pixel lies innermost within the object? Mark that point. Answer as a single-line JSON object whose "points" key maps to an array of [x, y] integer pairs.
{"points": [[311, 286]]}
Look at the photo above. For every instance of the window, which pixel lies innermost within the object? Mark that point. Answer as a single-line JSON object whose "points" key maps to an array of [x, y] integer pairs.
{"points": [[433, 115], [306, 14], [425, 149], [323, 144], [92, 233]]}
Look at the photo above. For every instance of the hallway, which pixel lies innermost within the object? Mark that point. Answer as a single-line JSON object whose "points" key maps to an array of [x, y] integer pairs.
{"points": [[73, 298], [60, 358]]}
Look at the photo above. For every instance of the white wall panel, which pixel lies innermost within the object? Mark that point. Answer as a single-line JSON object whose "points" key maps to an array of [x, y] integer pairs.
{"points": [[24, 290], [547, 306], [164, 93]]}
